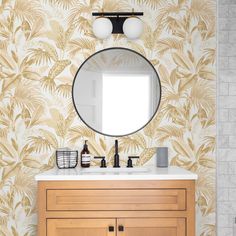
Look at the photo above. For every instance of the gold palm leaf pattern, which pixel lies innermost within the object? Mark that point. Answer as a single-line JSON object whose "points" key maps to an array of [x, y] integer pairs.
{"points": [[42, 44]]}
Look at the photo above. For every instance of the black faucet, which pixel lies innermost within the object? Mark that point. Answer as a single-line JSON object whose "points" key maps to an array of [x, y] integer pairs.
{"points": [[116, 156]]}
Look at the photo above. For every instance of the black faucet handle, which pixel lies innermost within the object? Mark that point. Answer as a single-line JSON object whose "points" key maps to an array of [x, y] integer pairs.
{"points": [[130, 163], [103, 161]]}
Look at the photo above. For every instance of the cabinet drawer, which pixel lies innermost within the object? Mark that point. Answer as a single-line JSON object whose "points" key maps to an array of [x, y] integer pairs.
{"points": [[116, 199]]}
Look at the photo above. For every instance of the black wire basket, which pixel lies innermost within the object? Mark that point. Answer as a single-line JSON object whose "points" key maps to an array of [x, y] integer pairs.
{"points": [[66, 159]]}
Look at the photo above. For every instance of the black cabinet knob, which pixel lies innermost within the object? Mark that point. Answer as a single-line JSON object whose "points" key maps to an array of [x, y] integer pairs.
{"points": [[120, 228], [111, 228]]}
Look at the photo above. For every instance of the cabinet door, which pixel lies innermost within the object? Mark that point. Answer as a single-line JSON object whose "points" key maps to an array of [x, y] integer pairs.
{"points": [[81, 227], [151, 227]]}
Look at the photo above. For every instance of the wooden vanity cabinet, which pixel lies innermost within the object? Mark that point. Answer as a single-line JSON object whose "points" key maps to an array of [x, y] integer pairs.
{"points": [[120, 227], [116, 208]]}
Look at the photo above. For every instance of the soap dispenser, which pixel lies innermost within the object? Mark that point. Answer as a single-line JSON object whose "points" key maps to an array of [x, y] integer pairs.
{"points": [[85, 156]]}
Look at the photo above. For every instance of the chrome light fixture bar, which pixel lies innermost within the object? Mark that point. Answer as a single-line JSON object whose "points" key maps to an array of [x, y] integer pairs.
{"points": [[126, 23]]}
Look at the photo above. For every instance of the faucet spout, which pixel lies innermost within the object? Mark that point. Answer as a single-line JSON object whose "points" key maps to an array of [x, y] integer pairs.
{"points": [[116, 156]]}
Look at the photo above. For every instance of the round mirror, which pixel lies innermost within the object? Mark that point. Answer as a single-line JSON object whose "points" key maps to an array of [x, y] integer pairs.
{"points": [[116, 91]]}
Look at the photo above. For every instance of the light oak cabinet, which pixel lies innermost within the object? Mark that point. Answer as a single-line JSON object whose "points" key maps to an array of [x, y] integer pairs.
{"points": [[120, 227], [116, 208]]}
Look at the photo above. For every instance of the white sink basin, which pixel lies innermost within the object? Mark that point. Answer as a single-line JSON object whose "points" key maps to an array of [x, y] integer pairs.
{"points": [[114, 170]]}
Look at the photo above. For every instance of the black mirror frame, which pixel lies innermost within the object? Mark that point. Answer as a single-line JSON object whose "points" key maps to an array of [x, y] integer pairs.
{"points": [[112, 48]]}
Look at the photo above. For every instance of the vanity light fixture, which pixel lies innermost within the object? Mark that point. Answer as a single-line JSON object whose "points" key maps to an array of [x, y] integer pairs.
{"points": [[102, 27], [108, 23]]}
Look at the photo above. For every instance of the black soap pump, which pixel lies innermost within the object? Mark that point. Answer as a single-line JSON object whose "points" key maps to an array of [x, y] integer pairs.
{"points": [[85, 156]]}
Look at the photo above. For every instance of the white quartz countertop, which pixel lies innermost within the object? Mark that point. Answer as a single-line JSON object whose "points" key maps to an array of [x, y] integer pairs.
{"points": [[149, 173]]}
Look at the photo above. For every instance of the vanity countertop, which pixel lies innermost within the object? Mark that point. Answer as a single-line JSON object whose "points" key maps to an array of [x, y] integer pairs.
{"points": [[153, 173]]}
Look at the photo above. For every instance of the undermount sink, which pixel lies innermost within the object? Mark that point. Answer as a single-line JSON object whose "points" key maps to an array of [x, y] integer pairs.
{"points": [[114, 170]]}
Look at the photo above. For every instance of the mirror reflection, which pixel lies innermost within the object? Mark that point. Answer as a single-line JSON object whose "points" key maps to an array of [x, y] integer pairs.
{"points": [[116, 91]]}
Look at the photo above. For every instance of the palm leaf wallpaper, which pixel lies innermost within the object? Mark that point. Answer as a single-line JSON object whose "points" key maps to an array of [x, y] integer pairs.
{"points": [[42, 44]]}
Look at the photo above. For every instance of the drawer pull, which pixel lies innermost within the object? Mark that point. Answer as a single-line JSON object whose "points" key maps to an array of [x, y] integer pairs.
{"points": [[111, 228], [121, 228]]}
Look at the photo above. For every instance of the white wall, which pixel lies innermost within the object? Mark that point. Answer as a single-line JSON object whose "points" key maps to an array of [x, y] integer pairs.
{"points": [[226, 169]]}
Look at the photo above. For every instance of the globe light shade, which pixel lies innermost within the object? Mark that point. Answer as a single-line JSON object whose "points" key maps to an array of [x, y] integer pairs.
{"points": [[102, 27], [133, 27]]}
